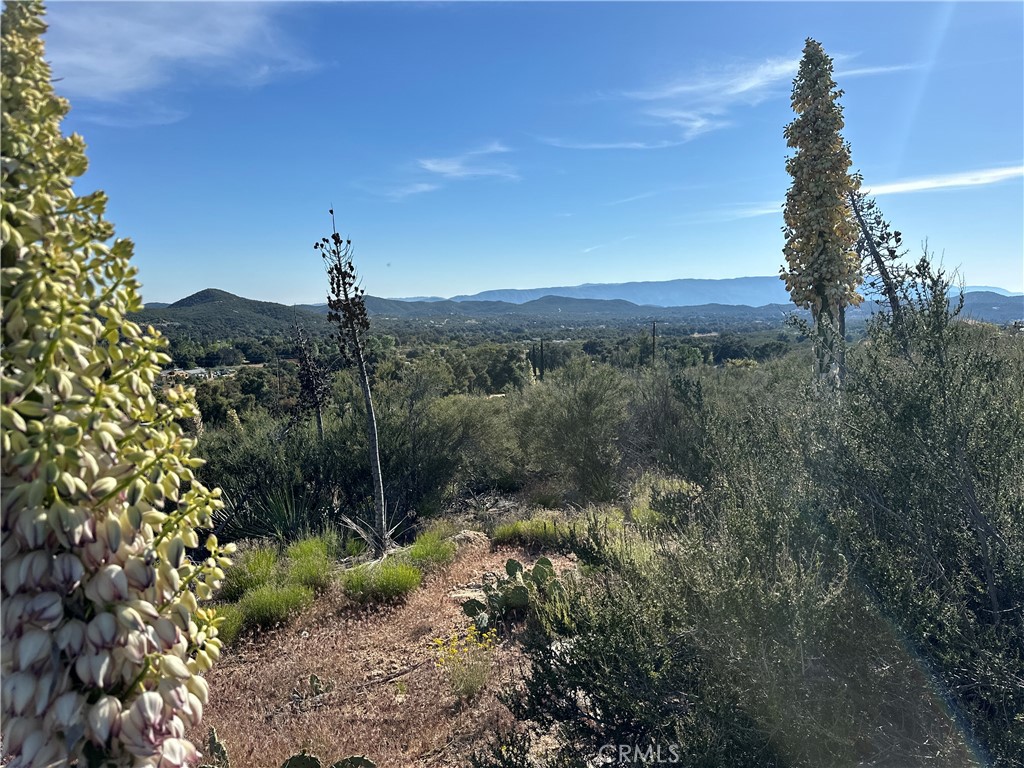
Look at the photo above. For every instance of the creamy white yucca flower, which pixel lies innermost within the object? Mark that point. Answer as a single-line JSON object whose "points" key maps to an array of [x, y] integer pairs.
{"points": [[104, 639], [822, 269]]}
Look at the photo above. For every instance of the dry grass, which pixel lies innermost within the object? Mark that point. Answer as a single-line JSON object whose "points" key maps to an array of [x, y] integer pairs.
{"points": [[385, 699]]}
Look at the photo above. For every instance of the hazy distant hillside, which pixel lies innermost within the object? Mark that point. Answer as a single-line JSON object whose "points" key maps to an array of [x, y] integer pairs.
{"points": [[990, 289], [993, 307], [688, 292], [749, 291]]}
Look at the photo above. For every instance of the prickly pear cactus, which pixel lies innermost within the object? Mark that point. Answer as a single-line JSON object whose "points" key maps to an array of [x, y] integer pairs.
{"points": [[356, 761], [216, 753], [103, 639], [302, 760], [512, 595]]}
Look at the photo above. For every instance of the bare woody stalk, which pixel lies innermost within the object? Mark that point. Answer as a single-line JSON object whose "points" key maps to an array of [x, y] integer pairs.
{"points": [[875, 234], [312, 380], [347, 311]]}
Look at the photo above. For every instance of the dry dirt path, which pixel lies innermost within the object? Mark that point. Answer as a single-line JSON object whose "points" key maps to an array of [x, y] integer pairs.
{"points": [[384, 697]]}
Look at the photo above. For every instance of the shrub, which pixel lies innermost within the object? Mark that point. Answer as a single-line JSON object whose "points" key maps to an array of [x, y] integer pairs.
{"points": [[309, 564], [381, 582], [270, 604], [431, 550], [230, 625], [252, 569], [354, 547], [657, 500], [534, 535], [570, 425]]}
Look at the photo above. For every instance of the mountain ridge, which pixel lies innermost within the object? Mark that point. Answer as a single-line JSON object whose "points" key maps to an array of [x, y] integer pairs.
{"points": [[220, 313], [753, 291]]}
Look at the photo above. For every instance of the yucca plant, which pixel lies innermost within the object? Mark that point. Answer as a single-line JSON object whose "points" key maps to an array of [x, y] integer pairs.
{"points": [[104, 640]]}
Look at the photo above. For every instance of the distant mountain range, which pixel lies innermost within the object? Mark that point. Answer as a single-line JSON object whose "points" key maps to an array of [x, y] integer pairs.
{"points": [[214, 313], [687, 292]]}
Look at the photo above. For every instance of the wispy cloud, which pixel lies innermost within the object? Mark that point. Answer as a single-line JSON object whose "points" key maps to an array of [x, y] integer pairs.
{"points": [[753, 210], [924, 184], [693, 123], [143, 112], [565, 144], [649, 194], [748, 80], [473, 163], [864, 71], [411, 189], [947, 181], [634, 198], [608, 245], [732, 212], [701, 102], [111, 53]]}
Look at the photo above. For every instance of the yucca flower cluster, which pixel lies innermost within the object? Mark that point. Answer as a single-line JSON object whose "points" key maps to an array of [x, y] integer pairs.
{"points": [[822, 269], [103, 639], [467, 660]]}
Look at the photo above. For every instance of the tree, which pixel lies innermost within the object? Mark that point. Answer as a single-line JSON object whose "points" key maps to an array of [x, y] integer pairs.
{"points": [[103, 638], [823, 267], [347, 311]]}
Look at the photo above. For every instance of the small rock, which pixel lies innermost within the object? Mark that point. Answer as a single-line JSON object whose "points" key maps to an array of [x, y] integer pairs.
{"points": [[471, 537], [462, 595]]}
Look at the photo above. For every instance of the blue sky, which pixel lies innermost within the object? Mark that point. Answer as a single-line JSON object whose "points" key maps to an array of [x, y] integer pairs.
{"points": [[469, 146]]}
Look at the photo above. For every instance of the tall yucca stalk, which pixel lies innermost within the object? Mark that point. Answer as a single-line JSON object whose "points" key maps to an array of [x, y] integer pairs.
{"points": [[103, 637], [822, 269], [347, 311]]}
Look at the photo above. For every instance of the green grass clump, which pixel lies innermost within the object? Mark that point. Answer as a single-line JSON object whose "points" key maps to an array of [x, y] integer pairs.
{"points": [[354, 547], [535, 535], [309, 564], [251, 570], [431, 550], [270, 604], [657, 500], [381, 582], [231, 622]]}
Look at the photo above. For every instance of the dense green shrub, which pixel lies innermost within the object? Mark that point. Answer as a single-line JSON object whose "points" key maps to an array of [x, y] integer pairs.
{"points": [[309, 564], [431, 550], [931, 512], [280, 481], [534, 535], [571, 425], [251, 570], [382, 582], [734, 629], [733, 648], [231, 622], [271, 604]]}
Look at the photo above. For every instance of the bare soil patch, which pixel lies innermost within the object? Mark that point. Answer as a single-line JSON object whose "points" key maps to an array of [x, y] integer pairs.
{"points": [[382, 695]]}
